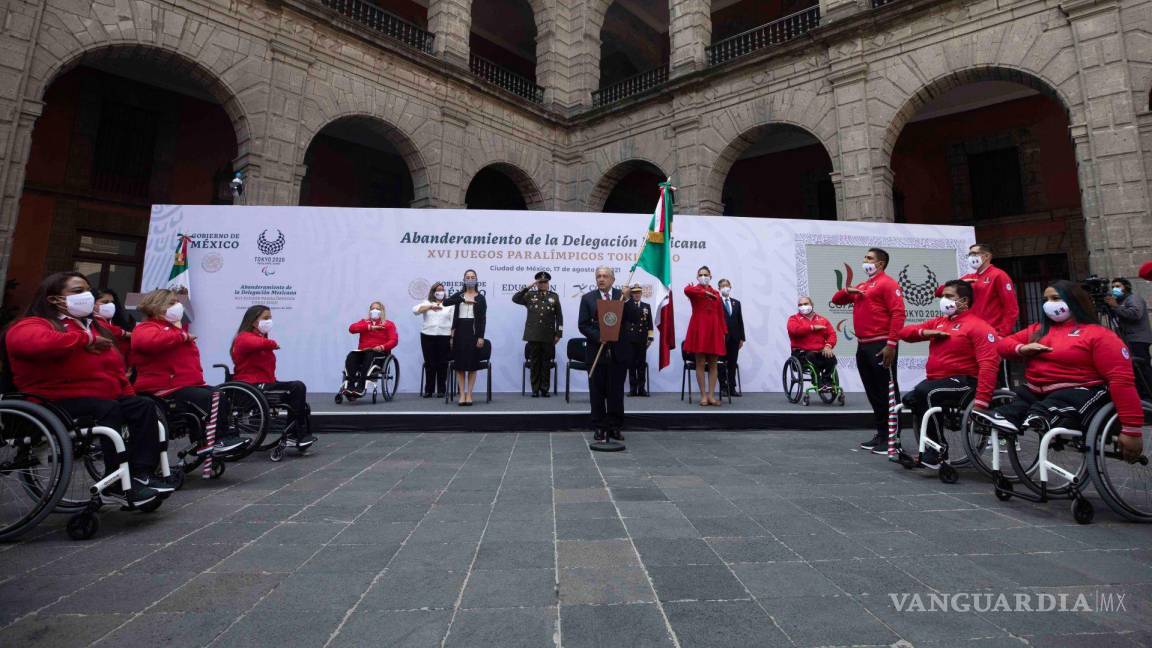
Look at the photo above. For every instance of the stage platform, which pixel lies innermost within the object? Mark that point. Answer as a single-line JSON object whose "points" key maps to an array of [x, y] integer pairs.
{"points": [[513, 412]]}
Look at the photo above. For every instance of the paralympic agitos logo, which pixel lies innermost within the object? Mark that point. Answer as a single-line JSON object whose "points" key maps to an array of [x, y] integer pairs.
{"points": [[271, 246]]}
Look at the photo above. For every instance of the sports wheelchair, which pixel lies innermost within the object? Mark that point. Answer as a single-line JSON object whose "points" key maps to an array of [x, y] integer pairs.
{"points": [[52, 462], [1052, 463], [953, 425], [242, 412], [383, 376], [277, 417], [798, 371]]}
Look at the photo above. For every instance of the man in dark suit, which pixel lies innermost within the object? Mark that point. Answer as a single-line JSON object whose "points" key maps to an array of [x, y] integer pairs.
{"points": [[733, 341], [606, 385], [638, 334]]}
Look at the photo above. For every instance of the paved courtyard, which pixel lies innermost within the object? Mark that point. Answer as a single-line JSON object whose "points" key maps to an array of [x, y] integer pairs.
{"points": [[733, 539]]}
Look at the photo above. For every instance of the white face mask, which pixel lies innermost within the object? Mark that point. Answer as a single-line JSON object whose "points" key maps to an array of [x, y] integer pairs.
{"points": [[106, 310], [805, 309], [439, 295], [175, 313], [1057, 311], [80, 305], [374, 313], [947, 306], [869, 268], [704, 280], [264, 326], [975, 261], [725, 291]]}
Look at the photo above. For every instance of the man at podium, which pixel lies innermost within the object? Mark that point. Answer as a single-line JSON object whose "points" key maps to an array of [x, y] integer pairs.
{"points": [[601, 323]]}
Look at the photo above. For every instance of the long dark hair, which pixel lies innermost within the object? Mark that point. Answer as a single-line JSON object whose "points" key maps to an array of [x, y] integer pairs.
{"points": [[1079, 304], [51, 286], [250, 316], [121, 318]]}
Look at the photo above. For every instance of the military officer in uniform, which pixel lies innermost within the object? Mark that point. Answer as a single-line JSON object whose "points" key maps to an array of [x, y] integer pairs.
{"points": [[638, 333], [543, 328]]}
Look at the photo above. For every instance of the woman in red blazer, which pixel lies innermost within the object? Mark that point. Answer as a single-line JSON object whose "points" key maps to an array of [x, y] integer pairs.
{"points": [[167, 363], [55, 355], [706, 331], [254, 361], [377, 339]]}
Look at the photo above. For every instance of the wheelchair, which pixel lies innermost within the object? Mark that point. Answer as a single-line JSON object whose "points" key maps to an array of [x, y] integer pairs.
{"points": [[57, 463], [244, 415], [953, 424], [383, 376], [798, 371], [277, 419], [1052, 462]]}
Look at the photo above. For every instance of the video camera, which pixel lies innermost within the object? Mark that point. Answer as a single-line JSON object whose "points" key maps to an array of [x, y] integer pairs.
{"points": [[1098, 287]]}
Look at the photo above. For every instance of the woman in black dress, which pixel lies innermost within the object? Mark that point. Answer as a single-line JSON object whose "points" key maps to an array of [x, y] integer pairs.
{"points": [[468, 322]]}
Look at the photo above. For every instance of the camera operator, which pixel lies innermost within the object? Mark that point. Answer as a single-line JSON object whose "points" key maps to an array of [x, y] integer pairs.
{"points": [[1129, 315]]}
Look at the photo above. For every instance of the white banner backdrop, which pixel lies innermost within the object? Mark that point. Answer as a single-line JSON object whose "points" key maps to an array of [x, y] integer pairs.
{"points": [[319, 268]]}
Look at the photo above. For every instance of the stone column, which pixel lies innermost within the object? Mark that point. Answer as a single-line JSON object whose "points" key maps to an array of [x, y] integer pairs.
{"points": [[449, 188], [1113, 181], [451, 22], [19, 130], [558, 42], [690, 32], [832, 10], [270, 174], [688, 176], [864, 185]]}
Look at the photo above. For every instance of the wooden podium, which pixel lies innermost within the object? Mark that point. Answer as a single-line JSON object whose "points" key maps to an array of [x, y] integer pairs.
{"points": [[610, 315]]}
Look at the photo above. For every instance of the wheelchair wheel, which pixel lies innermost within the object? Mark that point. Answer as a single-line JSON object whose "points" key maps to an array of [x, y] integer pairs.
{"points": [[1126, 488], [87, 469], [35, 461], [1069, 454], [83, 526], [249, 416], [827, 396], [977, 442], [390, 380], [792, 379]]}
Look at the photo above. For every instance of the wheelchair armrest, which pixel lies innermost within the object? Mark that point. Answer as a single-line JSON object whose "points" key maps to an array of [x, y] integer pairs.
{"points": [[226, 369]]}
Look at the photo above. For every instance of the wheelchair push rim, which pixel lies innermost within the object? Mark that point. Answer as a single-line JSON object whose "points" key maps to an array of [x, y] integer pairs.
{"points": [[1125, 488], [247, 417], [792, 380], [35, 461]]}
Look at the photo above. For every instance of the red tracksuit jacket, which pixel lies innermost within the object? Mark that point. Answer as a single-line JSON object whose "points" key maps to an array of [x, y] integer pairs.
{"points": [[802, 336], [1083, 355], [969, 350], [878, 311], [54, 365], [118, 335], [166, 358], [254, 358], [994, 299], [385, 335]]}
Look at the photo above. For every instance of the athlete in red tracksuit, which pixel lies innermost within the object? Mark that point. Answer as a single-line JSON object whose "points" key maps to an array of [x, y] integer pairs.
{"points": [[962, 360], [167, 363], [1073, 365], [995, 296], [877, 317], [254, 361], [812, 338], [377, 339], [56, 355]]}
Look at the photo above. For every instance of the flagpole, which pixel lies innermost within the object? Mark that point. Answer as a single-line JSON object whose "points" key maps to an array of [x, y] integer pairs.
{"points": [[624, 293]]}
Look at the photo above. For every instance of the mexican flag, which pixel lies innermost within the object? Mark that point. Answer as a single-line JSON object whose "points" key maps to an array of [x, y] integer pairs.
{"points": [[178, 279], [656, 260]]}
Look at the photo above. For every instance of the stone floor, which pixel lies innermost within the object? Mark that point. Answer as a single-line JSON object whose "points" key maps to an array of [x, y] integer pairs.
{"points": [[730, 539]]}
